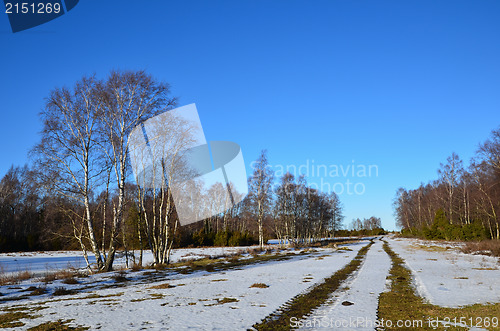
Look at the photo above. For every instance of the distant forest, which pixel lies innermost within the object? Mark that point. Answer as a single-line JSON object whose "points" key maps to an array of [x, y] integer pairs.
{"points": [[463, 203], [32, 218]]}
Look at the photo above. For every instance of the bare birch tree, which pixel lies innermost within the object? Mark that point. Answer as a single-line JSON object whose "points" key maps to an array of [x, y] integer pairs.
{"points": [[260, 184], [130, 98], [160, 165], [68, 157], [449, 174]]}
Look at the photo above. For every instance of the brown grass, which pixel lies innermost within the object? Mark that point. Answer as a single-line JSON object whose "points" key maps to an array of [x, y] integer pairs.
{"points": [[24, 275], [63, 291], [136, 267], [15, 278], [259, 285], [255, 250], [12, 319], [60, 274], [70, 281], [485, 247], [63, 274], [161, 286], [120, 277], [37, 290], [49, 277], [234, 258], [226, 300], [57, 325]]}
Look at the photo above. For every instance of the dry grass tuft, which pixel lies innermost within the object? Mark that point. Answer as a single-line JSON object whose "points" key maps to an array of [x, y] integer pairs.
{"points": [[70, 281], [136, 267], [24, 275], [67, 275], [259, 285], [37, 290], [57, 325], [63, 291], [120, 277], [49, 278], [255, 250], [234, 258], [485, 247], [14, 278], [226, 300], [161, 286], [64, 273]]}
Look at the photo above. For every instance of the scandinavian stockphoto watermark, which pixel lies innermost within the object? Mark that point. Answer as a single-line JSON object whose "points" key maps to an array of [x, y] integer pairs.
{"points": [[349, 179], [364, 322], [169, 151]]}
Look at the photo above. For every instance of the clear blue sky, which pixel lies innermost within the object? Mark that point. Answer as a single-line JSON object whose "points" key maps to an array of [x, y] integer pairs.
{"points": [[397, 84]]}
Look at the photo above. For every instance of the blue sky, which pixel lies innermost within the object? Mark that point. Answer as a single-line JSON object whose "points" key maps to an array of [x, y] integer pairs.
{"points": [[396, 84]]}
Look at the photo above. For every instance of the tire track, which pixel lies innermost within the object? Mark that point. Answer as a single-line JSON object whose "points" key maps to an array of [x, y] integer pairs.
{"points": [[356, 307], [303, 304]]}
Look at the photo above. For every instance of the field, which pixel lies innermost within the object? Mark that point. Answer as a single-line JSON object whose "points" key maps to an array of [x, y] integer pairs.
{"points": [[357, 285]]}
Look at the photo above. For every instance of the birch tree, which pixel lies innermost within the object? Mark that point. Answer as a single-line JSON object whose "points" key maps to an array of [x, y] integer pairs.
{"points": [[68, 156], [260, 184], [337, 215], [164, 164], [284, 207], [130, 98], [449, 174]]}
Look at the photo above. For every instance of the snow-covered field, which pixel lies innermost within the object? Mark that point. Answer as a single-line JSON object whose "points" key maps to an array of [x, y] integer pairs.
{"points": [[42, 262], [226, 300], [195, 300], [446, 277]]}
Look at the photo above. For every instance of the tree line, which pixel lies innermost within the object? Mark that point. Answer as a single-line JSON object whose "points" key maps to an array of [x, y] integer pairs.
{"points": [[463, 203], [79, 193], [294, 210], [367, 226]]}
